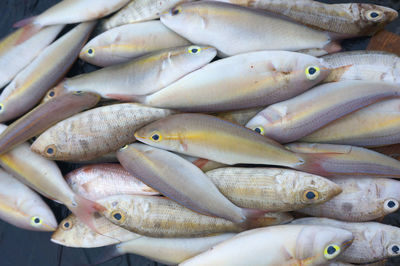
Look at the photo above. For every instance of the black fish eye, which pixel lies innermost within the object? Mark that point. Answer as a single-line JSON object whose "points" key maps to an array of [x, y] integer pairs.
{"points": [[258, 130], [331, 250], [194, 50], [36, 221], [175, 11], [374, 15], [395, 249], [50, 150], [66, 224], [117, 216], [391, 204], [155, 137], [52, 93], [90, 51], [310, 195], [312, 71]]}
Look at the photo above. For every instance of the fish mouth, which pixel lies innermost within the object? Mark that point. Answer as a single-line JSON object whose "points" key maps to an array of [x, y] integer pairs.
{"points": [[57, 242]]}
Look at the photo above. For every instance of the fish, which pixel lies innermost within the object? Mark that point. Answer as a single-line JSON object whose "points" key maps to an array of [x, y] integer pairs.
{"points": [[362, 199], [392, 151], [19, 55], [72, 232], [278, 245], [73, 11], [123, 43], [363, 65], [169, 251], [335, 160], [348, 20], [243, 81], [372, 241], [44, 116], [22, 207], [102, 180], [240, 117], [45, 177], [160, 217], [204, 164], [139, 11], [141, 76], [31, 84], [95, 132], [216, 24], [272, 189], [372, 126], [296, 118], [181, 181]]}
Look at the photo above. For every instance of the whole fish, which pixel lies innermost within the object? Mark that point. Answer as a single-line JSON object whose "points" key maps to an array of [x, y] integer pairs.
{"points": [[346, 20], [278, 245], [102, 180], [45, 177], [209, 137], [126, 42], [362, 199], [363, 65], [372, 241], [371, 126], [242, 81], [181, 181], [295, 118], [22, 207], [240, 117], [343, 161], [73, 11], [169, 251], [217, 24], [272, 189], [95, 132], [72, 232], [139, 10], [31, 84], [44, 116], [143, 75], [160, 217], [18, 56]]}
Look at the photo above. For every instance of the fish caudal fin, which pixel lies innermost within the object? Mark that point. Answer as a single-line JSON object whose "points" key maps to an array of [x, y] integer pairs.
{"points": [[333, 47], [85, 209]]}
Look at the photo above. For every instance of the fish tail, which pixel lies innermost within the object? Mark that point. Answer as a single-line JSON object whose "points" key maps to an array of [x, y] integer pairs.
{"points": [[333, 47], [85, 209], [24, 22]]}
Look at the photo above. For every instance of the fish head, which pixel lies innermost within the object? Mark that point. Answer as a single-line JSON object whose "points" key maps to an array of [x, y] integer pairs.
{"points": [[96, 54], [69, 231], [388, 192], [375, 16], [167, 133], [390, 241], [316, 245], [40, 219], [45, 145], [190, 57], [54, 92]]}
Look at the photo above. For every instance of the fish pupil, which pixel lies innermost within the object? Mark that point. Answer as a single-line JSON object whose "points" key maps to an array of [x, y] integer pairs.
{"points": [[395, 249], [155, 137], [258, 130], [117, 216], [50, 150], [312, 71], [391, 204], [51, 94], [175, 12], [36, 221], [310, 195], [194, 51], [331, 250], [374, 15], [66, 225], [90, 51]]}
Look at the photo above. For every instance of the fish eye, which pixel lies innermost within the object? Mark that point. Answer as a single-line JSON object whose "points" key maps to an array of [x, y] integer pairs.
{"points": [[36, 221], [51, 93], [194, 49], [118, 216], [156, 136], [176, 10], [394, 250], [312, 72], [1, 107], [331, 251], [391, 205], [50, 150], [77, 92], [374, 15], [123, 148], [259, 130], [310, 195], [90, 52], [67, 225]]}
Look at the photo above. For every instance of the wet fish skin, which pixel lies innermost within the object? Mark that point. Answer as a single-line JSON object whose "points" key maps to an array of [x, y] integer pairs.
{"points": [[122, 44], [346, 20], [144, 75], [347, 161], [240, 117], [363, 65], [243, 81], [179, 180], [277, 245], [272, 189], [72, 232], [209, 137], [362, 199], [296, 118], [204, 164], [372, 241], [138, 11], [160, 217], [371, 126], [390, 150], [19, 55], [95, 132], [216, 24], [44, 116], [22, 207], [30, 85], [102, 180]]}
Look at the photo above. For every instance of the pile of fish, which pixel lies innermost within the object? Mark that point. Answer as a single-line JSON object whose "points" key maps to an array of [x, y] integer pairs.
{"points": [[191, 160]]}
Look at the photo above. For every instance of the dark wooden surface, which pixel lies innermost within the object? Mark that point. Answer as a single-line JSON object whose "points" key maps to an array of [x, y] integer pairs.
{"points": [[28, 248]]}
